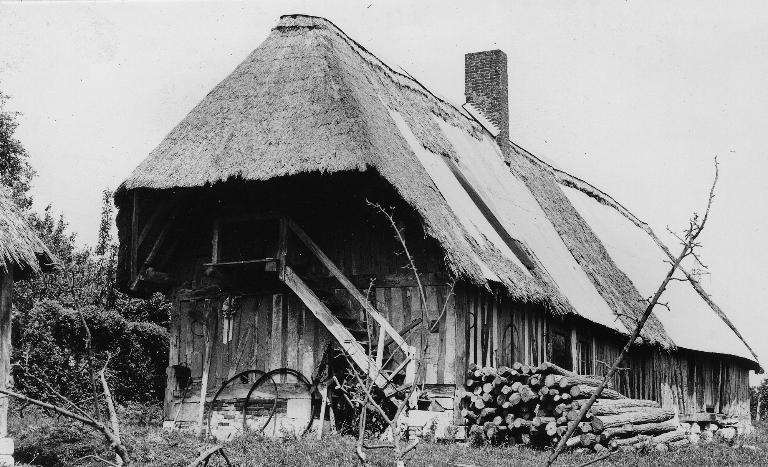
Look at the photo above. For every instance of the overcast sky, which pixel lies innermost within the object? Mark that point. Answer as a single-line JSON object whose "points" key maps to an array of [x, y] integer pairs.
{"points": [[635, 97]]}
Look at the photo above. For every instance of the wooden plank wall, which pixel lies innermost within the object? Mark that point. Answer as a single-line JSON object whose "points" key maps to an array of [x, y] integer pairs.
{"points": [[690, 380], [271, 331], [267, 332], [277, 330], [501, 331]]}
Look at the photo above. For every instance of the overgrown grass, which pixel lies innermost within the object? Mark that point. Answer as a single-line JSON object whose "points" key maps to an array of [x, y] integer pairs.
{"points": [[42, 440]]}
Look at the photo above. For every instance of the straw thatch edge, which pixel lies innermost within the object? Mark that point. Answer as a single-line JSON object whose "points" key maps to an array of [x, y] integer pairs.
{"points": [[20, 247]]}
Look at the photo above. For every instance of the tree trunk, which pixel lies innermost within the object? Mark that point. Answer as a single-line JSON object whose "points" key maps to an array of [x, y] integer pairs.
{"points": [[635, 418], [622, 407]]}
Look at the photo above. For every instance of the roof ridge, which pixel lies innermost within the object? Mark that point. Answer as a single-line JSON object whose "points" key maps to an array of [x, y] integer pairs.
{"points": [[416, 85]]}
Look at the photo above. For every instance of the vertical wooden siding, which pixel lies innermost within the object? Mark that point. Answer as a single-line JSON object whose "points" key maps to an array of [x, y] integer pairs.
{"points": [[689, 380], [268, 332], [501, 331]]}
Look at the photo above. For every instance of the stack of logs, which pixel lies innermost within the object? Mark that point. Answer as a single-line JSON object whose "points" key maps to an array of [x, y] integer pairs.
{"points": [[534, 405]]}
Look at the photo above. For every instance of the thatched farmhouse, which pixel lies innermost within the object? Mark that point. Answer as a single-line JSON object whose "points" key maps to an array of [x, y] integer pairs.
{"points": [[22, 254], [256, 215]]}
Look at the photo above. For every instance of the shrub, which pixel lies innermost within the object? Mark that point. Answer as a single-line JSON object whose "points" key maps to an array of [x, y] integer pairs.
{"points": [[52, 346]]}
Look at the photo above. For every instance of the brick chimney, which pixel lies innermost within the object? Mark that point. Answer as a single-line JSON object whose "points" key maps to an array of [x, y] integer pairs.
{"points": [[485, 87]]}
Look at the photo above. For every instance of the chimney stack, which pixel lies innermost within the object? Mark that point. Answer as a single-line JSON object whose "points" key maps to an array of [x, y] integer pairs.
{"points": [[485, 87]]}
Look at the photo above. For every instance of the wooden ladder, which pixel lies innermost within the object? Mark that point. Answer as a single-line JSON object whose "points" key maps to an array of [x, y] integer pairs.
{"points": [[373, 367]]}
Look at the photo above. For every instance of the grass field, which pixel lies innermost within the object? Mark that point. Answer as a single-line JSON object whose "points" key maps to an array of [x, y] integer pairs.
{"points": [[46, 441]]}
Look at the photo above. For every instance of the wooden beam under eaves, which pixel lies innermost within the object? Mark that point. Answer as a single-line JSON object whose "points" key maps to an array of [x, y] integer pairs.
{"points": [[160, 213], [154, 251]]}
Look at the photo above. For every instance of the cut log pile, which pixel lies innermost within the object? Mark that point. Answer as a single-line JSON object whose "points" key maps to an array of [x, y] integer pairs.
{"points": [[712, 427], [535, 405]]}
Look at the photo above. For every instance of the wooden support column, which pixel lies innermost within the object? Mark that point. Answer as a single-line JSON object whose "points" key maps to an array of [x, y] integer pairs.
{"points": [[574, 353], [135, 236], [215, 242], [282, 247], [173, 359], [6, 293], [594, 356], [210, 332], [526, 340], [495, 331]]}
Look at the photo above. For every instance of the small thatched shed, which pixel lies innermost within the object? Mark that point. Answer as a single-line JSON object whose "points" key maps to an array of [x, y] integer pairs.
{"points": [[22, 254], [255, 214]]}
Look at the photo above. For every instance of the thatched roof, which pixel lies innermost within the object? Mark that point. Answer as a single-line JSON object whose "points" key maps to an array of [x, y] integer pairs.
{"points": [[310, 99], [20, 247]]}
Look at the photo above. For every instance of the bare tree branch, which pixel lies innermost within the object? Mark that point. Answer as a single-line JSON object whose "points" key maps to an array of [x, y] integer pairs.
{"points": [[88, 346], [110, 403], [695, 227], [114, 442]]}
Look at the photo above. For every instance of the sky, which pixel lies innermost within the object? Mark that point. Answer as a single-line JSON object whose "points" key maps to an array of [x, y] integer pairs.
{"points": [[635, 97]]}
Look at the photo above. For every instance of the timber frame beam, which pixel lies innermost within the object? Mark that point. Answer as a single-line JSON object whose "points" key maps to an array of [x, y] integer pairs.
{"points": [[6, 294], [336, 272], [146, 271]]}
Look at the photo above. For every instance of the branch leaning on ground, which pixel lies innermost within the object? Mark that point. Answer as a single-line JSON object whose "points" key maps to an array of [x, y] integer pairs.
{"points": [[207, 454], [114, 443], [110, 402], [689, 243]]}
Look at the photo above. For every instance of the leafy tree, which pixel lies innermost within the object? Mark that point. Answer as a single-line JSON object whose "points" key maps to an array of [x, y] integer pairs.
{"points": [[15, 170], [49, 338]]}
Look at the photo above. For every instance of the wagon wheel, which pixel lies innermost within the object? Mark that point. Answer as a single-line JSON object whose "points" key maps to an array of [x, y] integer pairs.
{"points": [[268, 376], [223, 386]]}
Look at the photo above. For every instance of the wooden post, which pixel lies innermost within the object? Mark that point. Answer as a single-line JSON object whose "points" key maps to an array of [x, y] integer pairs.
{"points": [[495, 331], [324, 388], [135, 236], [282, 247], [210, 330], [215, 242], [6, 292], [526, 339], [574, 353], [380, 348], [594, 356], [173, 359]]}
